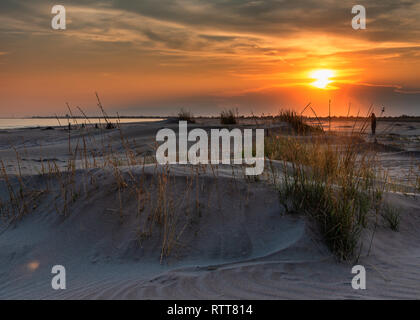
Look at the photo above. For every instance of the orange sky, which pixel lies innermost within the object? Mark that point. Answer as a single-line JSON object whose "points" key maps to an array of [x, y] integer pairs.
{"points": [[154, 57]]}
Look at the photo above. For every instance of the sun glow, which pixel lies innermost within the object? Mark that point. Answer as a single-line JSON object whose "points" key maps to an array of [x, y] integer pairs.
{"points": [[322, 78]]}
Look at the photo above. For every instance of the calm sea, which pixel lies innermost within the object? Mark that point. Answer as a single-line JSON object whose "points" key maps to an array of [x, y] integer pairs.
{"points": [[52, 122]]}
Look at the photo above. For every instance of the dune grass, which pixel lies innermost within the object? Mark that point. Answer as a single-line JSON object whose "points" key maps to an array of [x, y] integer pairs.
{"points": [[391, 216], [297, 122], [332, 184], [184, 115], [228, 117]]}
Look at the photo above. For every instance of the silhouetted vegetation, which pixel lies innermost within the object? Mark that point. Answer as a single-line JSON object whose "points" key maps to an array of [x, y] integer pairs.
{"points": [[228, 117]]}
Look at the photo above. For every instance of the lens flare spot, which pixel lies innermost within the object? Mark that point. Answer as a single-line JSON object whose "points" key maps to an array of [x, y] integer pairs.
{"points": [[32, 266]]}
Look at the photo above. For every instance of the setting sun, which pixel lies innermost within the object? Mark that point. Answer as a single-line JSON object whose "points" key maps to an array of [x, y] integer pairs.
{"points": [[322, 78]]}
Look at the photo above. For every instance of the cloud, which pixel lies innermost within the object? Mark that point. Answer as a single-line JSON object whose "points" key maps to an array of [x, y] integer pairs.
{"points": [[245, 44], [388, 20]]}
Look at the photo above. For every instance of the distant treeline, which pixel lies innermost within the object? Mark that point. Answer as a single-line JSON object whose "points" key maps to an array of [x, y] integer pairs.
{"points": [[387, 118], [339, 118]]}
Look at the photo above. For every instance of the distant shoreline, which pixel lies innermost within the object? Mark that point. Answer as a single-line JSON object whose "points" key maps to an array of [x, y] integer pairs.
{"points": [[332, 118], [340, 118]]}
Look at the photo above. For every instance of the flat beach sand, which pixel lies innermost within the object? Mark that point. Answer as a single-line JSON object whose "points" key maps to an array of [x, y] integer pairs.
{"points": [[218, 235]]}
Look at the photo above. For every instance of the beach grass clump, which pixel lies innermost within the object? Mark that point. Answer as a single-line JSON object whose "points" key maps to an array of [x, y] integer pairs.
{"points": [[184, 115], [110, 126], [228, 117], [391, 216], [334, 185], [297, 122]]}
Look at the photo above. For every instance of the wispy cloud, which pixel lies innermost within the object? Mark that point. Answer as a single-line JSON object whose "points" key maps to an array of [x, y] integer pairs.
{"points": [[237, 43]]}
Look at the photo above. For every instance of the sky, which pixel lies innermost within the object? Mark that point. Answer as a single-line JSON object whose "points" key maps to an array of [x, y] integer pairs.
{"points": [[153, 57]]}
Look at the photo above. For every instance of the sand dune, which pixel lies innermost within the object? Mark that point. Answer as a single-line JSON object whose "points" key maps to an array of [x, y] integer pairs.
{"points": [[240, 245], [220, 236]]}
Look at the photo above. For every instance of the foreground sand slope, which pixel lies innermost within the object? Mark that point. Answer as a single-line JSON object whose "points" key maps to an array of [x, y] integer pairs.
{"points": [[223, 237]]}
